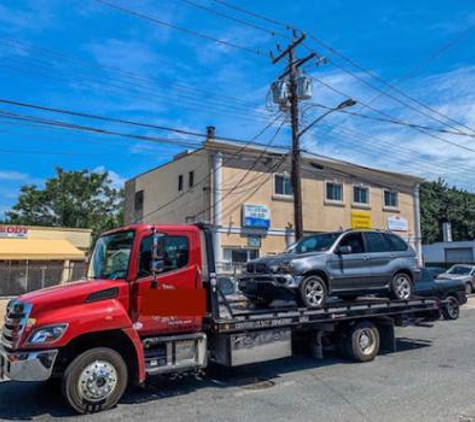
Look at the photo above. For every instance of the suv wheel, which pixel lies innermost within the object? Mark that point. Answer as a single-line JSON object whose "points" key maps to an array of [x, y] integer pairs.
{"points": [[312, 292], [401, 287]]}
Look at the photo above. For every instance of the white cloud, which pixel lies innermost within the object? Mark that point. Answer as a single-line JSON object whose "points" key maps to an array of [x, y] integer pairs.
{"points": [[117, 180], [13, 176]]}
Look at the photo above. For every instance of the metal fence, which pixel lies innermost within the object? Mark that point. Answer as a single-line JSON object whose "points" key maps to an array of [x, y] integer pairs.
{"points": [[18, 279]]}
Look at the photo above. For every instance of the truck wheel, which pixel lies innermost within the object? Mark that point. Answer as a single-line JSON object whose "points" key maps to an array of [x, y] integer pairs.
{"points": [[312, 292], [95, 380], [361, 342], [451, 309], [401, 287]]}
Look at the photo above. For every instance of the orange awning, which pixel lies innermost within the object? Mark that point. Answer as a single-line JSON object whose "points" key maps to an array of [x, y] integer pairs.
{"points": [[39, 250]]}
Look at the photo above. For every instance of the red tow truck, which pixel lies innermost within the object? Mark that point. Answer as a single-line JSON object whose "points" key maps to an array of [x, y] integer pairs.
{"points": [[151, 305]]}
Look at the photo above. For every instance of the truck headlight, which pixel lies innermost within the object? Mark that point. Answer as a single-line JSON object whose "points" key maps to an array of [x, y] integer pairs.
{"points": [[47, 334]]}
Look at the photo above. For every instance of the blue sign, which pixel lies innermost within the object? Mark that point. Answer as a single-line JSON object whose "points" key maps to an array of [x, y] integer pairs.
{"points": [[256, 216]]}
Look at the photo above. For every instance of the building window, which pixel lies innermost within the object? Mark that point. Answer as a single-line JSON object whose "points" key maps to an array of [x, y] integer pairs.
{"points": [[237, 257], [334, 192], [180, 183], [390, 199], [191, 179], [282, 185], [360, 195], [138, 201]]}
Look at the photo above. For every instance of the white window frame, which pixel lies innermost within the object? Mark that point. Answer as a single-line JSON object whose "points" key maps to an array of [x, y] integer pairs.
{"points": [[361, 204], [334, 201], [390, 207], [280, 195]]}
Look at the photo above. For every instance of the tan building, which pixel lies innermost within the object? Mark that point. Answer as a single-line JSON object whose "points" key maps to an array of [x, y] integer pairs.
{"points": [[247, 194], [33, 257]]}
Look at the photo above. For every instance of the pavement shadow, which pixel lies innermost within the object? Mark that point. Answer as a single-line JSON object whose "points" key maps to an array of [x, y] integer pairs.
{"points": [[26, 401]]}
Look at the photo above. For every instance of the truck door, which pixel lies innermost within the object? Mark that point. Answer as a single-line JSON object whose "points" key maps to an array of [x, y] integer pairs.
{"points": [[181, 271]]}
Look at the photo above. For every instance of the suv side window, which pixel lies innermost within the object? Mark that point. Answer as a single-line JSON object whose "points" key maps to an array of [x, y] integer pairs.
{"points": [[396, 244], [377, 242], [355, 240], [176, 250]]}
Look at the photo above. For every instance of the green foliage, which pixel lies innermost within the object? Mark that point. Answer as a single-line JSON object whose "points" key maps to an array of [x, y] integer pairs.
{"points": [[75, 199], [440, 203]]}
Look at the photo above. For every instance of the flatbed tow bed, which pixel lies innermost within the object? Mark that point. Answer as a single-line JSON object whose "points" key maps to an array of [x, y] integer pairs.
{"points": [[242, 333]]}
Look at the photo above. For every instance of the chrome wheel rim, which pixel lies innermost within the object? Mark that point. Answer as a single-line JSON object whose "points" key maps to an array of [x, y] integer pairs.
{"points": [[98, 381], [452, 308], [314, 292], [366, 341], [403, 287]]}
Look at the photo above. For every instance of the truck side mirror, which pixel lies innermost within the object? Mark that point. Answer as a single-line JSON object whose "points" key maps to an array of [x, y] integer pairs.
{"points": [[157, 263], [344, 250]]}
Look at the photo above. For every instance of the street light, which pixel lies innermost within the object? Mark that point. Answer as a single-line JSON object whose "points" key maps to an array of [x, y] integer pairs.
{"points": [[345, 104]]}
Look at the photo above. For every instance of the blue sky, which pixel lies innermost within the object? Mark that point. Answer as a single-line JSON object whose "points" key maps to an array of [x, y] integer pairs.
{"points": [[84, 56]]}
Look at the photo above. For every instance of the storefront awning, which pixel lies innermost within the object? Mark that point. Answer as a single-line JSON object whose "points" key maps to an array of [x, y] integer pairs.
{"points": [[38, 250]]}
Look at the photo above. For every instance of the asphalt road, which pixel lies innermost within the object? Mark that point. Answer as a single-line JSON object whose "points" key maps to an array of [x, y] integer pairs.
{"points": [[430, 378]]}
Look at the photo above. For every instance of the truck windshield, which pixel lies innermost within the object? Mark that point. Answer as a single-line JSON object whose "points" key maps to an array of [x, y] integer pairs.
{"points": [[111, 256], [317, 243]]}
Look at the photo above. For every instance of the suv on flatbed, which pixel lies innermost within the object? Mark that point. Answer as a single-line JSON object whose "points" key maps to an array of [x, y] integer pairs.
{"points": [[346, 264]]}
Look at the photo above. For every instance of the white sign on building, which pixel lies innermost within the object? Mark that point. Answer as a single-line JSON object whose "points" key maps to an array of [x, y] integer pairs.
{"points": [[256, 216], [397, 223]]}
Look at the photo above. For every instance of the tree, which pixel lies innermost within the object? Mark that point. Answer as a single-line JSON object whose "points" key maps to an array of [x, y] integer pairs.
{"points": [[441, 203], [76, 199]]}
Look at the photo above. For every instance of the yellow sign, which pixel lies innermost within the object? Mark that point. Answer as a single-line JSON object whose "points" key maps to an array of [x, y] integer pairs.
{"points": [[360, 220]]}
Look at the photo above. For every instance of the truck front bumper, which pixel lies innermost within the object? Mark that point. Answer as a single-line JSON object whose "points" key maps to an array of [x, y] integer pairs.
{"points": [[27, 366]]}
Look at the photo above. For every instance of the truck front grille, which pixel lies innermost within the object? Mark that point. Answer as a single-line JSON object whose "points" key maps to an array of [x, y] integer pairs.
{"points": [[15, 322]]}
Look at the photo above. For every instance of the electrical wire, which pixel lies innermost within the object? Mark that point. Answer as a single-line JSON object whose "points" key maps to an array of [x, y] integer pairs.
{"points": [[179, 28]]}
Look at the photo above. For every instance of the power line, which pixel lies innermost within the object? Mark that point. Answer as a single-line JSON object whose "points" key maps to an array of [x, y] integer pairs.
{"points": [[391, 117], [207, 177], [397, 122], [358, 66], [179, 28]]}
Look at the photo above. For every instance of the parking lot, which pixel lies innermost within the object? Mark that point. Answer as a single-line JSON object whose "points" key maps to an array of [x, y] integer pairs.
{"points": [[431, 378]]}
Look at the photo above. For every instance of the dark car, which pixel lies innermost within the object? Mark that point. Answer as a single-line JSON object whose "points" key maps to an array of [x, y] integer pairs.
{"points": [[345, 264], [463, 272], [450, 290]]}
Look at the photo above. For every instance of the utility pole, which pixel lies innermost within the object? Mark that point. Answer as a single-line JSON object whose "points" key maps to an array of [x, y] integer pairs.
{"points": [[293, 99]]}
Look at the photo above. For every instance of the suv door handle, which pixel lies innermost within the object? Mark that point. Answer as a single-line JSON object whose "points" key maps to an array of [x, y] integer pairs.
{"points": [[365, 258]]}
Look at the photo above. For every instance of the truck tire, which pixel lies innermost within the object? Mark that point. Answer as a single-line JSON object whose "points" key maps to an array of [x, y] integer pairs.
{"points": [[451, 310], [95, 380], [401, 287], [361, 342], [312, 292]]}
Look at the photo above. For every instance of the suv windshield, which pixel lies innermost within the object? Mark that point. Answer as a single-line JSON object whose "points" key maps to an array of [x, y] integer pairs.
{"points": [[316, 243], [459, 270], [110, 259]]}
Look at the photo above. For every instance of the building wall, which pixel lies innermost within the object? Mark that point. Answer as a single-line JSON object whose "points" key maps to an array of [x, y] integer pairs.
{"points": [[160, 186], [319, 216], [436, 253]]}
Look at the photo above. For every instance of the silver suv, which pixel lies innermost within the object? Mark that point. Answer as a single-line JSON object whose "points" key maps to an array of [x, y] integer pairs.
{"points": [[345, 264]]}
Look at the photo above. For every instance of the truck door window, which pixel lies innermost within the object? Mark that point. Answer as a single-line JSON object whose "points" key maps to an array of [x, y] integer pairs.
{"points": [[176, 250], [355, 240]]}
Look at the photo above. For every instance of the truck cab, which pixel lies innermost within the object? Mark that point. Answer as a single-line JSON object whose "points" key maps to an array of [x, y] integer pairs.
{"points": [[47, 332]]}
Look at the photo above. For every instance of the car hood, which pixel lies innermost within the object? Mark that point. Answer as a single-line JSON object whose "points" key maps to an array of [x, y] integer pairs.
{"points": [[68, 294]]}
